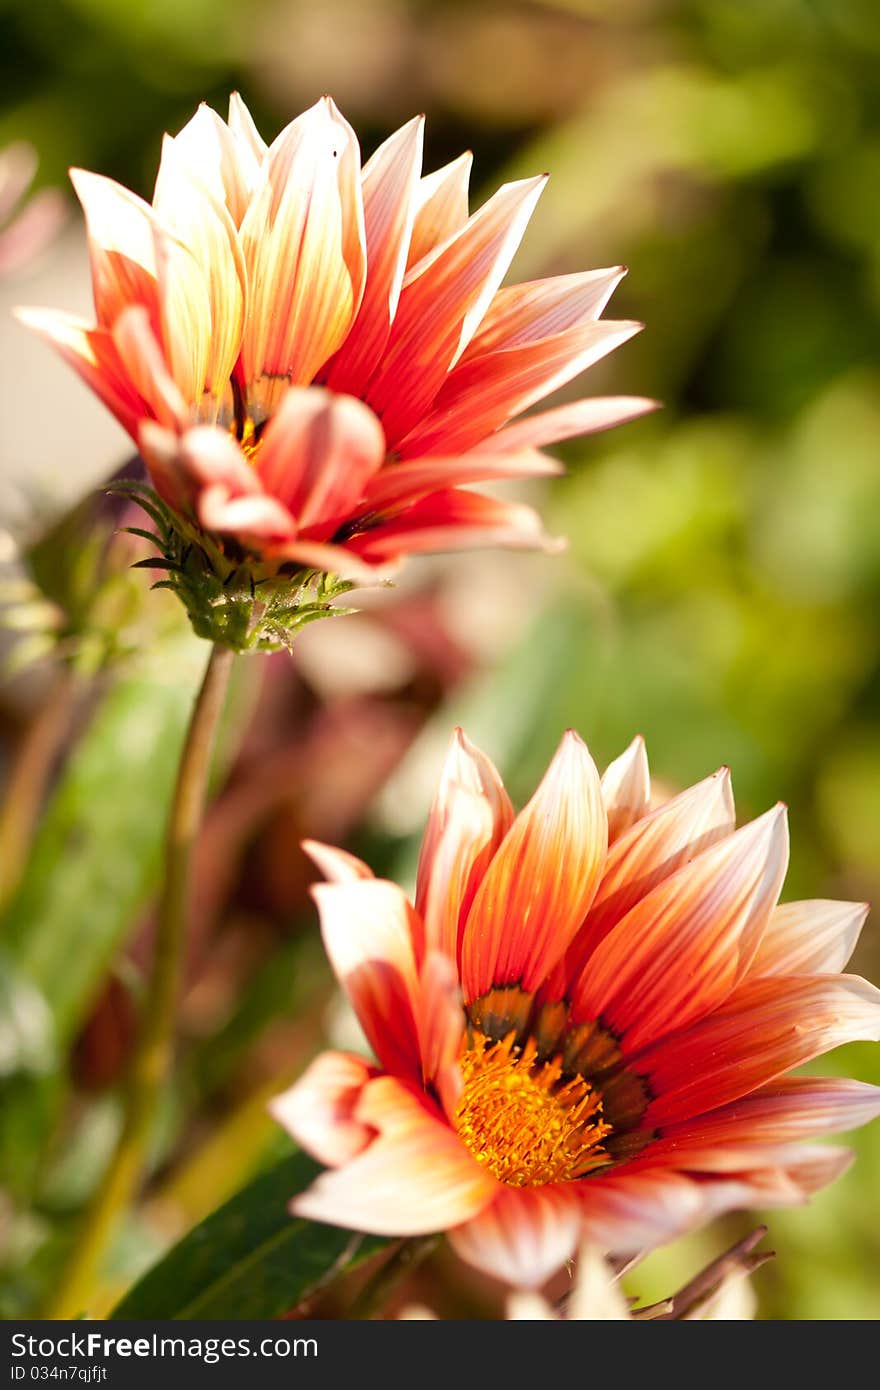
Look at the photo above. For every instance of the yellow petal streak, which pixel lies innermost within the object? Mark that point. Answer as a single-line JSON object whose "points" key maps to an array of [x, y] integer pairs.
{"points": [[523, 1119]]}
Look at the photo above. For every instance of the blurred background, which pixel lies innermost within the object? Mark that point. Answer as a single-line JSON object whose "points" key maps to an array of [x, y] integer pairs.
{"points": [[719, 595]]}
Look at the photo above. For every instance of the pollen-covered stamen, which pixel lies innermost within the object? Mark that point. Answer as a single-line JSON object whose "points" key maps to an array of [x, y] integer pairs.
{"points": [[250, 440], [523, 1118]]}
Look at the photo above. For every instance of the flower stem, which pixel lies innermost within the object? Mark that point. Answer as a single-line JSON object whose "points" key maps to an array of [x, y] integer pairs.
{"points": [[154, 1050], [375, 1294]]}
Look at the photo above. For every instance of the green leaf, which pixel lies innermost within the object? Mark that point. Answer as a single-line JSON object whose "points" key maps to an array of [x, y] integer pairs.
{"points": [[96, 859], [251, 1258]]}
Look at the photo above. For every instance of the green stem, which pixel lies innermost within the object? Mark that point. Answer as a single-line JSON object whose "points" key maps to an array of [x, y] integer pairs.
{"points": [[375, 1294], [153, 1054]]}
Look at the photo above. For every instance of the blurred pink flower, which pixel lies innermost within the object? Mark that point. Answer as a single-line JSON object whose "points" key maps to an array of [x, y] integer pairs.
{"points": [[25, 230]]}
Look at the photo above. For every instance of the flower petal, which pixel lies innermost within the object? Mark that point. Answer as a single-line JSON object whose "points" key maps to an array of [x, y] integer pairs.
{"points": [[627, 1211], [185, 467], [470, 815], [441, 1022], [316, 456], [200, 220], [681, 950], [121, 231], [404, 482], [653, 849], [441, 203], [336, 865], [444, 297], [318, 1110], [596, 1293], [303, 242], [416, 1176], [568, 421], [453, 519], [523, 1237], [92, 353], [254, 518], [626, 789], [241, 123], [541, 882], [224, 162], [807, 938], [389, 185], [371, 936], [339, 560], [482, 393], [767, 1027], [184, 316], [146, 368], [781, 1112], [538, 309]]}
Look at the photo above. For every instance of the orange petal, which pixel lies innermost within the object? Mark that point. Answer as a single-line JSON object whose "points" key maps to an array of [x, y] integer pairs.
{"points": [[303, 242], [199, 219], [389, 184], [816, 1168], [782, 1112], [146, 368], [526, 1234], [810, 938], [483, 393], [626, 789], [681, 950], [567, 422], [469, 818], [653, 849], [404, 482], [441, 1024], [628, 1211], [317, 454], [539, 309], [416, 1176], [121, 230], [541, 882], [444, 298], [767, 1027], [441, 207], [254, 517], [336, 865], [183, 466], [333, 559], [212, 456], [452, 520], [371, 935], [318, 1111], [92, 353]]}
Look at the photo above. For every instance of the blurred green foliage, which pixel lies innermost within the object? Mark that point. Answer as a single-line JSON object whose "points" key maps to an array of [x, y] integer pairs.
{"points": [[722, 587]]}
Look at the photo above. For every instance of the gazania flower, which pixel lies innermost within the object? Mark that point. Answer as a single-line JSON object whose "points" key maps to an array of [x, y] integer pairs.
{"points": [[315, 357], [582, 1028]]}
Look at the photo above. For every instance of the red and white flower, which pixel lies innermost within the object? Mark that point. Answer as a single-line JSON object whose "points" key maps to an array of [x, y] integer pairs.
{"points": [[315, 358], [583, 1027]]}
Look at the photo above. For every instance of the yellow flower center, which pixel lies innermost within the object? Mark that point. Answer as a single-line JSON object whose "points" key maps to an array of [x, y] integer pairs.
{"points": [[521, 1117], [250, 442]]}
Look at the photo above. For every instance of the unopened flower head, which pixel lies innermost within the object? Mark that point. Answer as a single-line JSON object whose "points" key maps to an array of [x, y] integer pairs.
{"points": [[583, 1027], [317, 358]]}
